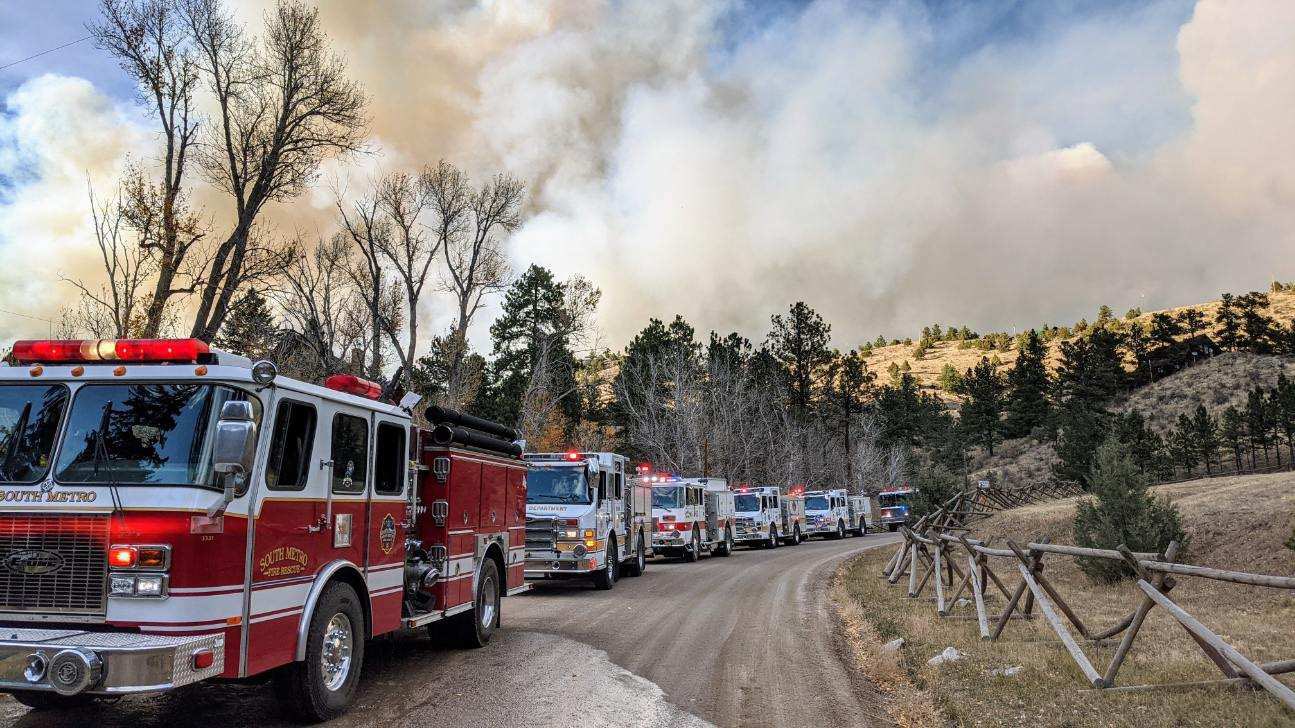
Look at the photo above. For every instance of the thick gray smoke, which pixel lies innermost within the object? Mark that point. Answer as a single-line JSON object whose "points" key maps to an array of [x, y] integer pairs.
{"points": [[839, 153]]}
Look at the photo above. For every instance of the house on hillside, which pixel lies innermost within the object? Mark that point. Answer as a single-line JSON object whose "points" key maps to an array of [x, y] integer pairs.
{"points": [[1165, 360]]}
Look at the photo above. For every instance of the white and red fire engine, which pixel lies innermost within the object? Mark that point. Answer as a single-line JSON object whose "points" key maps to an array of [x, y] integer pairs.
{"points": [[586, 518], [170, 513], [768, 517], [693, 516]]}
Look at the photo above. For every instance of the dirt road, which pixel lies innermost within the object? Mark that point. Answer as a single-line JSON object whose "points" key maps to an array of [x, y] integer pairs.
{"points": [[747, 641]]}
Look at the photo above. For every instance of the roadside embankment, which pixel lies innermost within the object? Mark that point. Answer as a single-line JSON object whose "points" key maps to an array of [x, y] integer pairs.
{"points": [[1235, 523]]}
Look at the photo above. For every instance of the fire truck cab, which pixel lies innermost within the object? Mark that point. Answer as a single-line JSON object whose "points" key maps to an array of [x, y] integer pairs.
{"points": [[170, 513], [586, 518], [768, 517], [693, 516], [893, 506]]}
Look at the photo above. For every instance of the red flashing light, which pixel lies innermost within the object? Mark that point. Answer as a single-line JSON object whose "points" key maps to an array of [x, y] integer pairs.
{"points": [[351, 384], [92, 350], [122, 557], [573, 456], [644, 468]]}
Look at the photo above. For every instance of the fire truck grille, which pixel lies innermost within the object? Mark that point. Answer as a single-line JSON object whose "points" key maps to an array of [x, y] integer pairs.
{"points": [[541, 534], [53, 563]]}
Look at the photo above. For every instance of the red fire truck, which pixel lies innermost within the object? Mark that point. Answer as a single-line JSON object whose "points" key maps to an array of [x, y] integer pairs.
{"points": [[171, 513]]}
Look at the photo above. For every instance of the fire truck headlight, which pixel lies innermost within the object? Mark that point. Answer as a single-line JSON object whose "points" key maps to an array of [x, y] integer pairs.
{"points": [[123, 586], [571, 533], [153, 585]]}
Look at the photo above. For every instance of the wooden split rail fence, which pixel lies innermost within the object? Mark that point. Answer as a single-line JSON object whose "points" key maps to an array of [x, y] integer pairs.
{"points": [[938, 552]]}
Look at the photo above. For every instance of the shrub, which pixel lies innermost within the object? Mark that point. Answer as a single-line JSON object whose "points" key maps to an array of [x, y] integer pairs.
{"points": [[1122, 512], [935, 485]]}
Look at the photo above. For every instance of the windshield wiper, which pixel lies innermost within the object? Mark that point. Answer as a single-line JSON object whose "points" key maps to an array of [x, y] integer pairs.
{"points": [[12, 451], [101, 454]]}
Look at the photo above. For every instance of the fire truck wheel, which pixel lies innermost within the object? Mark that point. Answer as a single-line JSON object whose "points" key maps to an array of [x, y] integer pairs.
{"points": [[640, 559], [693, 551], [796, 537], [41, 700], [840, 531], [774, 542], [475, 627], [726, 548], [322, 686], [606, 578]]}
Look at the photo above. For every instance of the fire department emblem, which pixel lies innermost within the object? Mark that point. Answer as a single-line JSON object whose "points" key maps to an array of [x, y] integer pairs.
{"points": [[387, 534], [33, 562]]}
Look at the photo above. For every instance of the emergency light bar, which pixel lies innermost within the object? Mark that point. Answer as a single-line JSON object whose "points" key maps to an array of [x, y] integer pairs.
{"points": [[83, 351], [351, 384]]}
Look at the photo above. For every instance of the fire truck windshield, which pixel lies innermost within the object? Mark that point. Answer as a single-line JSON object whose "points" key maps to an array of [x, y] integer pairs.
{"points": [[746, 502], [30, 415], [667, 497], [889, 500], [143, 434], [557, 485], [816, 503]]}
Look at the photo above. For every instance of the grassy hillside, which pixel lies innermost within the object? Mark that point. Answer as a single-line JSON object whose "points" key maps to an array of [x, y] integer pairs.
{"points": [[927, 369], [1234, 523]]}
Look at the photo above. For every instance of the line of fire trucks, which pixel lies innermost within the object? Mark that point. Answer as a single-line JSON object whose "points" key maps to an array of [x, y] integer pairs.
{"points": [[172, 513]]}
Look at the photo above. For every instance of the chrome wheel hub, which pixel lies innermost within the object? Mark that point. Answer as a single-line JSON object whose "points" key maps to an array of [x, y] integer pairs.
{"points": [[489, 595], [335, 656]]}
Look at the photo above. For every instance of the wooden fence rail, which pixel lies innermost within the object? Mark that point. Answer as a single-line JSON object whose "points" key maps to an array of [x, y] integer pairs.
{"points": [[935, 546]]}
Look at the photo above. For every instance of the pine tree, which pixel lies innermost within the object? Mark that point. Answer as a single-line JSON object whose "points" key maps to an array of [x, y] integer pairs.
{"points": [[1135, 341], [981, 415], [906, 416], [1143, 443], [1206, 434], [1283, 399], [950, 379], [533, 329], [1090, 375], [1228, 322], [1258, 424], [800, 343], [1232, 429], [1027, 405], [1183, 444], [1165, 329], [1192, 320], [1105, 316], [1256, 327], [250, 329], [1122, 512]]}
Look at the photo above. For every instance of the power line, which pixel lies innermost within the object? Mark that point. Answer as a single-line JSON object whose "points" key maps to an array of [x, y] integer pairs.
{"points": [[38, 55]]}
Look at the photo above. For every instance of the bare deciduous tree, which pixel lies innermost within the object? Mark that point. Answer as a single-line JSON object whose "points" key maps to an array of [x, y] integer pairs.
{"points": [[470, 226], [115, 309], [151, 42], [403, 200], [321, 307], [369, 233], [283, 102]]}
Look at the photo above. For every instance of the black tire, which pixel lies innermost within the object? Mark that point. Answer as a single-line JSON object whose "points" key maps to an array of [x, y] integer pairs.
{"points": [[726, 548], [893, 527], [840, 531], [310, 694], [796, 538], [773, 537], [474, 628], [640, 559], [692, 551], [606, 577], [49, 700]]}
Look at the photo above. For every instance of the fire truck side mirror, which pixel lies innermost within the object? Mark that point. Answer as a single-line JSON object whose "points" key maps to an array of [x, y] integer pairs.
{"points": [[233, 450]]}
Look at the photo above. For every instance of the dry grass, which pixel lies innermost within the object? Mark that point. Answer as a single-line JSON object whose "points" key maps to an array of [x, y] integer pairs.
{"points": [[1236, 523], [927, 370]]}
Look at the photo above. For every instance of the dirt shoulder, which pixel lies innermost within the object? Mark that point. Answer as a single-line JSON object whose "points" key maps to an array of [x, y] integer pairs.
{"points": [[1236, 523]]}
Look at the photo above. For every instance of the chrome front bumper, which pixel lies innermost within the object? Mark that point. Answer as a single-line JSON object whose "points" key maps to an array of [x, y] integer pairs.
{"points": [[71, 661], [562, 564]]}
